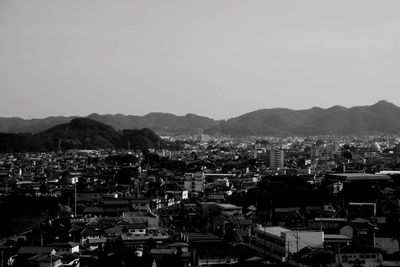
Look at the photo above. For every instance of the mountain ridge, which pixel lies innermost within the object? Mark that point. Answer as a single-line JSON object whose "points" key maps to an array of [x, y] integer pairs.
{"points": [[382, 116]]}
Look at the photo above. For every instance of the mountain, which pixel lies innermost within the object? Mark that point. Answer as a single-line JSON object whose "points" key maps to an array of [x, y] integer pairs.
{"points": [[265, 122], [18, 125], [382, 117], [159, 122], [144, 138], [79, 133]]}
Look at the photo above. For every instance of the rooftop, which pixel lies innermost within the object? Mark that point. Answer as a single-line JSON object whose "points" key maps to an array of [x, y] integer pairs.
{"points": [[274, 230], [45, 258], [64, 245], [228, 206], [357, 177], [330, 219], [35, 250], [336, 237], [360, 249], [164, 251]]}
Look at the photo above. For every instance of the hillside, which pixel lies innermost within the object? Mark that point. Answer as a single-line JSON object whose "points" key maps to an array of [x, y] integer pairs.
{"points": [[382, 117], [18, 125], [80, 133], [159, 122]]}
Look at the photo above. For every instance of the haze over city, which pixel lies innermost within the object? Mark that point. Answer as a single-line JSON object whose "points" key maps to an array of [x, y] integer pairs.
{"points": [[214, 58]]}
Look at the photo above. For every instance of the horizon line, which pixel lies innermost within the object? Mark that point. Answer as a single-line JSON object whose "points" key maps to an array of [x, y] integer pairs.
{"points": [[189, 113]]}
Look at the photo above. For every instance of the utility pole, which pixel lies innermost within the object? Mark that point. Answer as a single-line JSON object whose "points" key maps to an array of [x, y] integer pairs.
{"points": [[74, 180], [75, 202], [297, 253], [320, 222], [41, 237], [137, 189]]}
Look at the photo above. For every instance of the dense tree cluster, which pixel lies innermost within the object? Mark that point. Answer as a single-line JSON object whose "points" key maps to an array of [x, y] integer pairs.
{"points": [[80, 133]]}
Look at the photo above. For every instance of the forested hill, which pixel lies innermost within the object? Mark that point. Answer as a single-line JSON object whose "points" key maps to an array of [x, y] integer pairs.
{"points": [[79, 133]]}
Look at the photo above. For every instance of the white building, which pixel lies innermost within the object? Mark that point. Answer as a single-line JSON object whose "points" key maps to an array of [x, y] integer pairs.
{"points": [[281, 243], [202, 137]]}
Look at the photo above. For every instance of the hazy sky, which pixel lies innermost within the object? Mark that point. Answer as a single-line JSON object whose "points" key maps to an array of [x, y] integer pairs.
{"points": [[213, 58]]}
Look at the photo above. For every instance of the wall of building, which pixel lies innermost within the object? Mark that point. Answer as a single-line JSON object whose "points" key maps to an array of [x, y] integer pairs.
{"points": [[194, 182], [276, 159], [297, 240]]}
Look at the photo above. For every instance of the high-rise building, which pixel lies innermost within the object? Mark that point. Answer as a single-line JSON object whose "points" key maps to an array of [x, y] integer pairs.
{"points": [[201, 137], [276, 159]]}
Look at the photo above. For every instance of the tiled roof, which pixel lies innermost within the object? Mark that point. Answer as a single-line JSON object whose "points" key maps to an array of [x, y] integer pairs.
{"points": [[35, 250]]}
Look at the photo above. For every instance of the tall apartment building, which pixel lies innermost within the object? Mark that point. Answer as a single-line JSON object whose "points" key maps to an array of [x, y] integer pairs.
{"points": [[276, 159], [194, 182], [202, 137]]}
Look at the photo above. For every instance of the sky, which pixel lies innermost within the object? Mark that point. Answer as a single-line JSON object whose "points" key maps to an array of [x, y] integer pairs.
{"points": [[219, 58]]}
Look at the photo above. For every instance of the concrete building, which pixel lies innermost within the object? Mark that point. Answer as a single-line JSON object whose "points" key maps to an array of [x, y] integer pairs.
{"points": [[65, 248], [202, 137], [359, 256], [282, 243], [194, 182], [276, 159], [137, 239]]}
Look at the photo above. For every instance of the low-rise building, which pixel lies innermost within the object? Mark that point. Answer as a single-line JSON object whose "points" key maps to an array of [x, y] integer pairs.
{"points": [[194, 182], [282, 243], [359, 256]]}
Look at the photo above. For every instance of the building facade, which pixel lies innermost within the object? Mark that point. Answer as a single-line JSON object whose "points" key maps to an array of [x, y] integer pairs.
{"points": [[194, 182], [276, 159]]}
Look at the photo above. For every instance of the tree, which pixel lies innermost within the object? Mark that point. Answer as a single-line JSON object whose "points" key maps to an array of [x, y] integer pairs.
{"points": [[347, 155]]}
